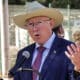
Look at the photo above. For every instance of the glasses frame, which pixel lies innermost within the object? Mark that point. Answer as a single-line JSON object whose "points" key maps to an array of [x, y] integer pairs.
{"points": [[30, 25]]}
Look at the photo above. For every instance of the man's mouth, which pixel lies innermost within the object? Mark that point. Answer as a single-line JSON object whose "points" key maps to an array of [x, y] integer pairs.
{"points": [[37, 35]]}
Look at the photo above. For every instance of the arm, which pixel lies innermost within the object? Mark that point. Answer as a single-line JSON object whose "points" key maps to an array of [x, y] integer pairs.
{"points": [[73, 54]]}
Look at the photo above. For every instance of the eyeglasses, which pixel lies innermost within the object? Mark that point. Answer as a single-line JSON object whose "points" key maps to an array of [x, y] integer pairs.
{"points": [[30, 25]]}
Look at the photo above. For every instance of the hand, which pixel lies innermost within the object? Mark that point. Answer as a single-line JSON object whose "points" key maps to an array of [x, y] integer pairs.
{"points": [[73, 54]]}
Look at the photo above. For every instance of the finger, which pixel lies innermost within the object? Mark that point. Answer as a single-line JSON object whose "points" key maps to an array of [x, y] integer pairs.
{"points": [[67, 54], [70, 50], [74, 48]]}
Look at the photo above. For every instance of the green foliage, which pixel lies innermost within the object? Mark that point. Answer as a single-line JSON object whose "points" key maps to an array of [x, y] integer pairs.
{"points": [[59, 3], [54, 3], [75, 4], [41, 1], [18, 2]]}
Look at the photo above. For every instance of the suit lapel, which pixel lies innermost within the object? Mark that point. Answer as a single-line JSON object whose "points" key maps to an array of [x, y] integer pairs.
{"points": [[52, 53]]}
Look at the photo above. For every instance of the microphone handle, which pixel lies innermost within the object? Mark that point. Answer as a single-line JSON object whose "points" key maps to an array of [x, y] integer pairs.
{"points": [[28, 69]]}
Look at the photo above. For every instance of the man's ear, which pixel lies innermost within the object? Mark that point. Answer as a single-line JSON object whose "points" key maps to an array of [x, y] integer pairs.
{"points": [[52, 22]]}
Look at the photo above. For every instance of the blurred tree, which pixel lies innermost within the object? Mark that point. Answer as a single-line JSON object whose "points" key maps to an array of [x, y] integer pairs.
{"points": [[63, 4], [47, 2], [75, 4], [42, 1], [30, 0], [59, 3], [18, 2], [54, 3]]}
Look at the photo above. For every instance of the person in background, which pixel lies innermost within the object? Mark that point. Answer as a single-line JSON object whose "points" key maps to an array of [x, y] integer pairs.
{"points": [[59, 31], [44, 59], [76, 37], [73, 52]]}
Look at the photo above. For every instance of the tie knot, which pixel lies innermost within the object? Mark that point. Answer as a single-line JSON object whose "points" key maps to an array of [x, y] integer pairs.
{"points": [[41, 49]]}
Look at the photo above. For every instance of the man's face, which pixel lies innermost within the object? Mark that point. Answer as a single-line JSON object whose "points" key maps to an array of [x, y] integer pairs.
{"points": [[40, 28]]}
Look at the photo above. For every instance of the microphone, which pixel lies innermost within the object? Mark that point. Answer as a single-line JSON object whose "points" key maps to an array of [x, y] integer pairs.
{"points": [[25, 55], [30, 69]]}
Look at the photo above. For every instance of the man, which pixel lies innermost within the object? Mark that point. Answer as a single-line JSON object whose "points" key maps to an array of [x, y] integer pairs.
{"points": [[54, 64]]}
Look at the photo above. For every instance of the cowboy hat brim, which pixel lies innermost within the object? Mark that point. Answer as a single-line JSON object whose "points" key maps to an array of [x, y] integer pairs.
{"points": [[48, 12]]}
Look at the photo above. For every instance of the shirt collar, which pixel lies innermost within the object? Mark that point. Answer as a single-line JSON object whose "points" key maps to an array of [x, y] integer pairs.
{"points": [[48, 43]]}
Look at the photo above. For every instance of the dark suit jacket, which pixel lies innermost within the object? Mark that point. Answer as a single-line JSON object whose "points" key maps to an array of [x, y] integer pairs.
{"points": [[56, 66]]}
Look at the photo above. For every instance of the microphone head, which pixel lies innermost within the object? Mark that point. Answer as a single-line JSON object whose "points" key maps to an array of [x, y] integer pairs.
{"points": [[26, 54]]}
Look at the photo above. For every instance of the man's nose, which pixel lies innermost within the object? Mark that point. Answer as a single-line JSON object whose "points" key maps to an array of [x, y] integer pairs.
{"points": [[35, 28]]}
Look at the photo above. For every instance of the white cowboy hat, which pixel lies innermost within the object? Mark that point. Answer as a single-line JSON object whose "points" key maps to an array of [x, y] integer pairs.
{"points": [[48, 12]]}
